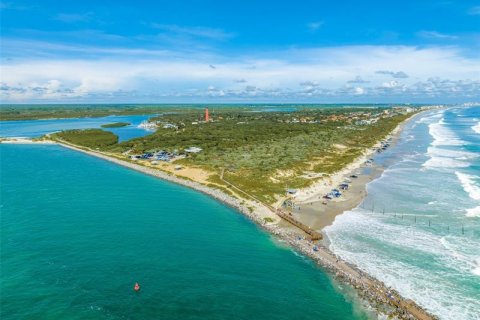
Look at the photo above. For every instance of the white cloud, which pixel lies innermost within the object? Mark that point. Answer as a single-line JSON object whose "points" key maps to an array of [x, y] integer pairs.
{"points": [[359, 90], [397, 75], [436, 35], [439, 72], [358, 79]]}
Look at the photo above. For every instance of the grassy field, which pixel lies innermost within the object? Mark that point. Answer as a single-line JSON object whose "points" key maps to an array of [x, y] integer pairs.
{"points": [[261, 152]]}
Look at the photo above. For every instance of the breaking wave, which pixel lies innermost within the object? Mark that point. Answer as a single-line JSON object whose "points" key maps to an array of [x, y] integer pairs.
{"points": [[439, 265], [447, 158], [469, 185], [476, 128], [473, 212], [367, 241], [442, 136]]}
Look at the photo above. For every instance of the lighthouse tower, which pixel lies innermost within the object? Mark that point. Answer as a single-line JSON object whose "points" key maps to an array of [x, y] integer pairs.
{"points": [[207, 118]]}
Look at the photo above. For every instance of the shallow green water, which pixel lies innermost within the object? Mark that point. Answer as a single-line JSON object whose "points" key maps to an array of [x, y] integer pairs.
{"points": [[77, 233]]}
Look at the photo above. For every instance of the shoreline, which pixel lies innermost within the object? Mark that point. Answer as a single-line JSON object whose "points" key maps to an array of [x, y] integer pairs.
{"points": [[383, 299], [318, 215]]}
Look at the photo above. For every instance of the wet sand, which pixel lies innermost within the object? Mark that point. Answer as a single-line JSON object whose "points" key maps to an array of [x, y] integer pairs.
{"points": [[310, 207], [318, 215]]}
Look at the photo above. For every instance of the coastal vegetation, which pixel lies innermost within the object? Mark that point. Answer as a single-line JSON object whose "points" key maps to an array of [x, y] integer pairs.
{"points": [[263, 153], [90, 138], [33, 112], [48, 111], [115, 125]]}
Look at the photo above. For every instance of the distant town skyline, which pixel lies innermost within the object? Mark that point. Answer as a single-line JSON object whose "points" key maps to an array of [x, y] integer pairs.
{"points": [[240, 51]]}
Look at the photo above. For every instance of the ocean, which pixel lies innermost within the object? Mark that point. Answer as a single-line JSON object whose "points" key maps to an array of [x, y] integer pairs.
{"points": [[77, 232], [418, 230]]}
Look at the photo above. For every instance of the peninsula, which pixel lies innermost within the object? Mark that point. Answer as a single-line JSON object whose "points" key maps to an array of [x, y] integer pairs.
{"points": [[268, 165]]}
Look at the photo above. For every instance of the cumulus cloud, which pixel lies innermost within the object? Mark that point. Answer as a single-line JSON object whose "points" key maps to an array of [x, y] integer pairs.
{"points": [[325, 73], [397, 75]]}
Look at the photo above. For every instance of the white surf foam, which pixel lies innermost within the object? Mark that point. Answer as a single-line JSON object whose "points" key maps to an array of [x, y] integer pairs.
{"points": [[473, 212], [442, 136], [476, 128], [355, 236], [477, 268], [447, 158], [429, 118], [444, 162], [468, 262], [469, 185], [457, 154]]}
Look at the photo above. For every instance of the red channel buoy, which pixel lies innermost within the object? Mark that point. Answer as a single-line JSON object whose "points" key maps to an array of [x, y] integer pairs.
{"points": [[136, 287]]}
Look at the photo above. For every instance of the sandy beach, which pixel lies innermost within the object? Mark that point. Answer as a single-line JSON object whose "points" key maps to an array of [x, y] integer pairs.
{"points": [[23, 140], [313, 210]]}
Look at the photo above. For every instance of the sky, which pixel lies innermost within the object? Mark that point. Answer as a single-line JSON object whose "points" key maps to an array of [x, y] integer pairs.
{"points": [[187, 51]]}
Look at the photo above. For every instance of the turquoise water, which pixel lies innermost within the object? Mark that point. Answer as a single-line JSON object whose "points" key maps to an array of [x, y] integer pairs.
{"points": [[38, 128], [427, 242], [78, 232]]}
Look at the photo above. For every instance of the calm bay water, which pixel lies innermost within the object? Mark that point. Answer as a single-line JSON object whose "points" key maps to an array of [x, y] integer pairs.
{"points": [[77, 233], [38, 128], [427, 242]]}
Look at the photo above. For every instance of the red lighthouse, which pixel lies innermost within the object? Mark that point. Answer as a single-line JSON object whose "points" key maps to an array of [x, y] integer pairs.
{"points": [[207, 118]]}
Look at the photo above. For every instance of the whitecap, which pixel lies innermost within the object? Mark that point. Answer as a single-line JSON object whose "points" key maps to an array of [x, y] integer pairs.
{"points": [[448, 158], [442, 136], [476, 128], [457, 154], [476, 271], [469, 185], [428, 118], [444, 162], [473, 212], [351, 237]]}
